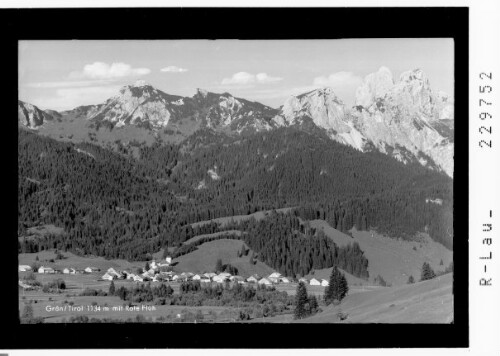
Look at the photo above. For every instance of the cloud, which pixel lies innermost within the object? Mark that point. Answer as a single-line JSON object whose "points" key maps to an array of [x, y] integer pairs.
{"points": [[173, 69], [339, 80], [245, 78], [65, 84], [101, 70], [69, 98]]}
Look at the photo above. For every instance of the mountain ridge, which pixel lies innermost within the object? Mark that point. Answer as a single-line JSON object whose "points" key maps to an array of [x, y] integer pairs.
{"points": [[403, 118]]}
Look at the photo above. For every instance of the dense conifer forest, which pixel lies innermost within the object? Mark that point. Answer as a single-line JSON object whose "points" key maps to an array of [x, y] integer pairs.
{"points": [[117, 205]]}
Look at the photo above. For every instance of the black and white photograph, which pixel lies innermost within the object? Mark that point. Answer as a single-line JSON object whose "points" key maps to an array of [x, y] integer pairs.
{"points": [[227, 181], [298, 178]]}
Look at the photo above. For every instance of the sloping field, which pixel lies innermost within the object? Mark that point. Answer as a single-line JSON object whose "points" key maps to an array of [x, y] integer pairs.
{"points": [[237, 218], [214, 235], [205, 258], [423, 302], [326, 272], [75, 261], [394, 259]]}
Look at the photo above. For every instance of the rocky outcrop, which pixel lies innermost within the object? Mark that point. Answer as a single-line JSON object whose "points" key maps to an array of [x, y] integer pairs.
{"points": [[30, 116]]}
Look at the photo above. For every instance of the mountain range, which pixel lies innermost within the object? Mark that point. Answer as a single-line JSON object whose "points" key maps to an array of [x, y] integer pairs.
{"points": [[403, 118]]}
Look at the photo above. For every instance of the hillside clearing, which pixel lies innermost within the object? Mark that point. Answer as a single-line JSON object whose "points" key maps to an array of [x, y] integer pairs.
{"points": [[423, 302], [393, 259], [214, 235], [205, 258], [237, 218]]}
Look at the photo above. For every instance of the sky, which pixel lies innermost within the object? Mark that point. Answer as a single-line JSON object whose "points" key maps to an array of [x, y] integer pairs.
{"points": [[62, 75]]}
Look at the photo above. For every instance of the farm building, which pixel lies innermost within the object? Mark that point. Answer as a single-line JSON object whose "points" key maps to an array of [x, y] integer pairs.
{"points": [[265, 281], [275, 275], [220, 279], [285, 280], [111, 271], [108, 277], [138, 279], [66, 270], [205, 280], [239, 279], [196, 277], [314, 282], [274, 280], [43, 269], [252, 279], [304, 280], [210, 275], [175, 277], [92, 270], [325, 283], [130, 276], [24, 268]]}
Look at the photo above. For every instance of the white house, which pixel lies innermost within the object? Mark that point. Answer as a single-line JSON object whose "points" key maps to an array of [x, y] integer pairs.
{"points": [[196, 277], [205, 280], [175, 277], [303, 280], [285, 280], [252, 279], [238, 279], [91, 269], [130, 276], [325, 283], [168, 259], [43, 269], [225, 274], [274, 279], [265, 281], [210, 275], [108, 277], [138, 279], [314, 282], [111, 271], [66, 270], [275, 275], [219, 279], [24, 268]]}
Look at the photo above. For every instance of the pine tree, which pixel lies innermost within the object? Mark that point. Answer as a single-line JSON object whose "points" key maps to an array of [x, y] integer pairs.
{"points": [[313, 304], [427, 272], [344, 287], [218, 266], [301, 300], [337, 288], [147, 266], [243, 251], [411, 280], [111, 288]]}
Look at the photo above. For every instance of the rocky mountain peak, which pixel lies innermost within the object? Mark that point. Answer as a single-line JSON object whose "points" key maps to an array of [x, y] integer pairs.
{"points": [[31, 116], [140, 83], [201, 93], [375, 86]]}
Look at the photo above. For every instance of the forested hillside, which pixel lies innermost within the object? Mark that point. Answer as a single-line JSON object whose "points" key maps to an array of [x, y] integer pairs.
{"points": [[118, 206]]}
